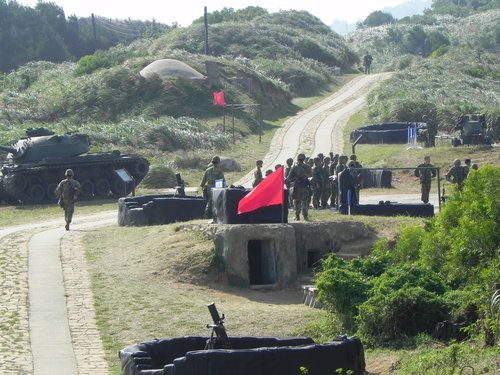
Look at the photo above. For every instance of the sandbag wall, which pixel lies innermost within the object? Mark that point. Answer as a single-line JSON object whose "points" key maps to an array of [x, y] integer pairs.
{"points": [[249, 356], [159, 209]]}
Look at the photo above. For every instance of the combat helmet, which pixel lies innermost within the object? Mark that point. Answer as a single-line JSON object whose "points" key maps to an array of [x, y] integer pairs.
{"points": [[69, 172], [215, 160], [301, 157]]}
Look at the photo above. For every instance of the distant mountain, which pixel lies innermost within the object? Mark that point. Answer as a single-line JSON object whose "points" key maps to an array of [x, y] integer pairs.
{"points": [[408, 8]]}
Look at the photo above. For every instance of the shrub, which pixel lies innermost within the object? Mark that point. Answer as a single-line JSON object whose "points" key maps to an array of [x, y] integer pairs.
{"points": [[400, 313], [160, 176], [88, 64]]}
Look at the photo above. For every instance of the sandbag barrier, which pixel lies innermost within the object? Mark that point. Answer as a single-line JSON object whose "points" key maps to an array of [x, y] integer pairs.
{"points": [[249, 356], [159, 209], [389, 132]]}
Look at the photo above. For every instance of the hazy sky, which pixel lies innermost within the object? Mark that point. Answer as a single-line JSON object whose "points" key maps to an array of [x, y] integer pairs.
{"points": [[185, 11]]}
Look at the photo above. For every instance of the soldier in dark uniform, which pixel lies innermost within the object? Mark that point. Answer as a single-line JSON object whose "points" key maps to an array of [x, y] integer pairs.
{"points": [[257, 174], [425, 174], [347, 187], [299, 178], [67, 191], [213, 173], [457, 174], [333, 176], [367, 63]]}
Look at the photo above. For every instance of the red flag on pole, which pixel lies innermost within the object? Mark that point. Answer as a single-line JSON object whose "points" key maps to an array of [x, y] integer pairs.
{"points": [[219, 98], [269, 192]]}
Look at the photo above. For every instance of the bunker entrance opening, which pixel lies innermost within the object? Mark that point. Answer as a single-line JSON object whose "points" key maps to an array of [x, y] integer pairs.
{"points": [[313, 258], [262, 262]]}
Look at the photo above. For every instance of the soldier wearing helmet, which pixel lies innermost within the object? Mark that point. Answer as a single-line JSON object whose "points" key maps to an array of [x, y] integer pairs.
{"points": [[257, 174], [288, 168], [299, 179], [457, 174], [67, 192], [212, 173], [357, 174]]}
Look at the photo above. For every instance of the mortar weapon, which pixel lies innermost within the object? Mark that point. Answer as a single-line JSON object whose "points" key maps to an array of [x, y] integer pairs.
{"points": [[217, 328]]}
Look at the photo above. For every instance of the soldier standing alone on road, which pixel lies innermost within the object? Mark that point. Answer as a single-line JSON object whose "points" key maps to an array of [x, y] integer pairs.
{"points": [[425, 173], [367, 63], [299, 178], [212, 174], [67, 191]]}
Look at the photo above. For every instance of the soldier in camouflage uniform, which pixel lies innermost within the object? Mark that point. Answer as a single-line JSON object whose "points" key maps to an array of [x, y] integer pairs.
{"points": [[288, 168], [317, 182], [212, 174], [299, 178], [425, 173], [457, 174], [67, 191], [257, 174], [327, 184], [356, 174]]}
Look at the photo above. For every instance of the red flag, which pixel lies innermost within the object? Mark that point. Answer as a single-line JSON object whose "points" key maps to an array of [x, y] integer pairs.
{"points": [[219, 98], [269, 192]]}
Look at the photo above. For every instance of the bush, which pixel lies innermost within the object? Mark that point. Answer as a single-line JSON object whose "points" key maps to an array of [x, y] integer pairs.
{"points": [[89, 64], [399, 314], [344, 290], [160, 176]]}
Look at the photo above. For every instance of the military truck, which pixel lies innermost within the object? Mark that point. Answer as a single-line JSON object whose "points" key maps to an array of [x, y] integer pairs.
{"points": [[472, 131]]}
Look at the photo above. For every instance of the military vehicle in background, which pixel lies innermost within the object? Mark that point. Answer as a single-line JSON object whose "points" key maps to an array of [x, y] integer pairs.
{"points": [[472, 131], [36, 164]]}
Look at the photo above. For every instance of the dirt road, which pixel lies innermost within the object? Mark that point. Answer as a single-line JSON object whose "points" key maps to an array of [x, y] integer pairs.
{"points": [[320, 128]]}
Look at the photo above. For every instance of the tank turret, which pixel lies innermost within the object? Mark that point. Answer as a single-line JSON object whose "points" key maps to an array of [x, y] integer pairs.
{"points": [[35, 164]]}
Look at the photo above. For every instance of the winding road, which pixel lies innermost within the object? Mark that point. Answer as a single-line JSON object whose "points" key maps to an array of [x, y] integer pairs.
{"points": [[47, 321]]}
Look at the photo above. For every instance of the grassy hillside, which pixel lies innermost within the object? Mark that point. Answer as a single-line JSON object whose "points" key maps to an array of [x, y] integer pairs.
{"points": [[460, 75]]}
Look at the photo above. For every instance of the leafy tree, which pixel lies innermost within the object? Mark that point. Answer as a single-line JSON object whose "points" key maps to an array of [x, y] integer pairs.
{"points": [[378, 18]]}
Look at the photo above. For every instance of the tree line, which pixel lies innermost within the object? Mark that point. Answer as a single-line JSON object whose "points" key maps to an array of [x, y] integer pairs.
{"points": [[45, 33]]}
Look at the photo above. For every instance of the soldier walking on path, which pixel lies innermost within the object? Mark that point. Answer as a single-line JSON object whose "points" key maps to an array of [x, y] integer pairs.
{"points": [[299, 179], [67, 191], [425, 172], [257, 174], [367, 63], [213, 173], [457, 174]]}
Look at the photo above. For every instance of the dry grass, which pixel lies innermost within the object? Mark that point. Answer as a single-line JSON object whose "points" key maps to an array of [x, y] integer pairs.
{"points": [[155, 282]]}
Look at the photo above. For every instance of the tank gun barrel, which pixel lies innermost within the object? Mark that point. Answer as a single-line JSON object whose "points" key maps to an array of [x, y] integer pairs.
{"points": [[12, 150]]}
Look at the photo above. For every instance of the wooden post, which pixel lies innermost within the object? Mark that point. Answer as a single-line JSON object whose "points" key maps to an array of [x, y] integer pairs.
{"points": [[205, 17]]}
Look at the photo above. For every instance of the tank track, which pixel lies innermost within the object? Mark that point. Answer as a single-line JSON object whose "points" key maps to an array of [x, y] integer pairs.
{"points": [[10, 192]]}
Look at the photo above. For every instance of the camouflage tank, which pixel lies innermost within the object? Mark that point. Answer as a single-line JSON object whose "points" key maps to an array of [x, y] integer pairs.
{"points": [[36, 164]]}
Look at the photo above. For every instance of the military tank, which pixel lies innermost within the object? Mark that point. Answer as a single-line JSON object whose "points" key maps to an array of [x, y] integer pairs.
{"points": [[35, 165]]}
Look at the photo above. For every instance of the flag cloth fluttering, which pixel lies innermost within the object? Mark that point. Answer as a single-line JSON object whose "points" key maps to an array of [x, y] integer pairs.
{"points": [[268, 193], [219, 98]]}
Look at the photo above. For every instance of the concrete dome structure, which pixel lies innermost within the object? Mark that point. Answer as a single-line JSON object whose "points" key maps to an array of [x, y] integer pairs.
{"points": [[170, 68]]}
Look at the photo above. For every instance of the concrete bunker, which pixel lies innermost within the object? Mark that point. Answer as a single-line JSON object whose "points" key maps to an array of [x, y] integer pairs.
{"points": [[274, 255]]}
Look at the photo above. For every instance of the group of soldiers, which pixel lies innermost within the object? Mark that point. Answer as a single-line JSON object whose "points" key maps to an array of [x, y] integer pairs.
{"points": [[456, 175], [317, 180]]}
